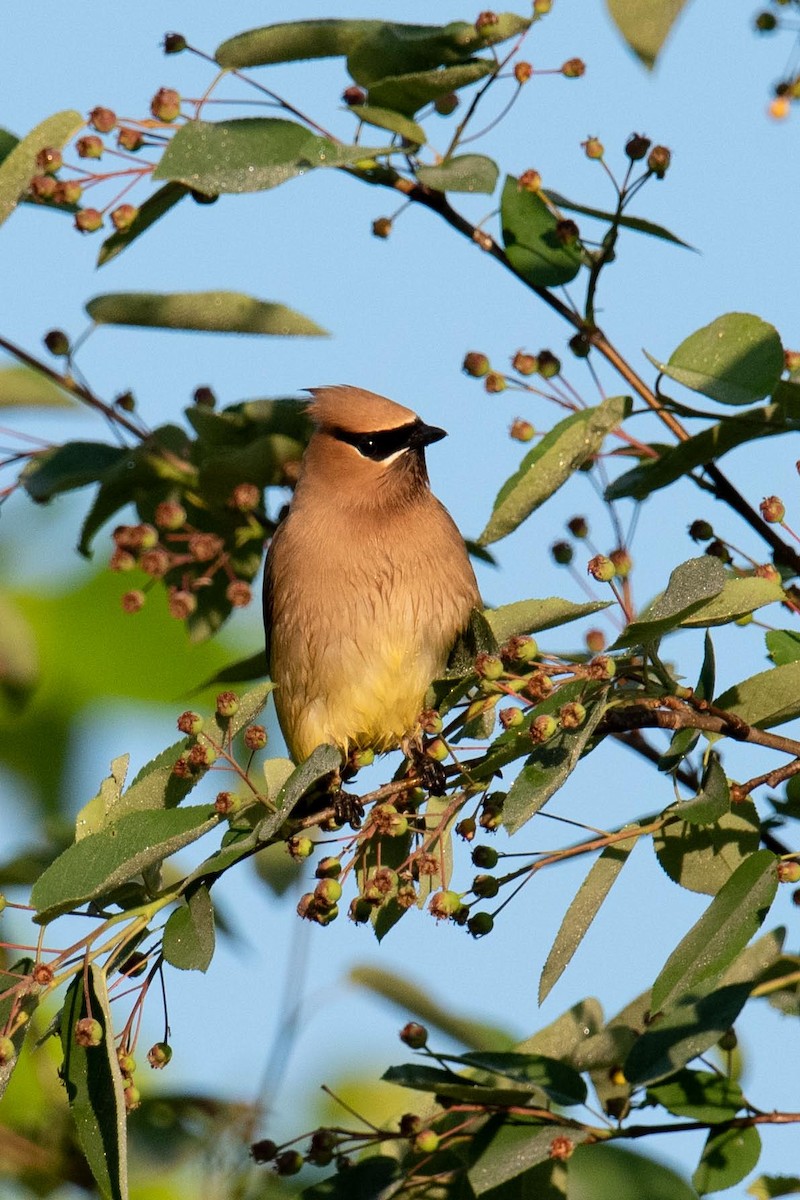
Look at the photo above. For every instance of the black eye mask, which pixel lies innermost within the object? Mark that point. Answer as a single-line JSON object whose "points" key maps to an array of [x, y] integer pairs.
{"points": [[383, 443]]}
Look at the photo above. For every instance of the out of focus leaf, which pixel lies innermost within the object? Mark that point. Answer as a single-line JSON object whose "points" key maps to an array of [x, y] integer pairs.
{"points": [[148, 213], [210, 312], [783, 646], [292, 41], [95, 1086], [605, 1172], [422, 1078], [582, 911], [393, 51], [19, 166], [465, 173], [365, 1178], [737, 359], [532, 616], [738, 597], [189, 938], [699, 1096], [531, 241], [19, 656], [10, 1006], [22, 387], [691, 584], [64, 468], [728, 1155], [550, 463], [319, 764], [251, 154], [702, 858], [769, 1187], [734, 915], [767, 699]]}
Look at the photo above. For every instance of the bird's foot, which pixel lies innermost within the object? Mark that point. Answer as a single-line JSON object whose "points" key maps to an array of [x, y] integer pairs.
{"points": [[348, 809], [431, 773]]}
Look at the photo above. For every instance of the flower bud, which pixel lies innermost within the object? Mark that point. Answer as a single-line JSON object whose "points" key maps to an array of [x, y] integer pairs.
{"points": [[414, 1035], [475, 364], [772, 509], [530, 181], [166, 105], [637, 146], [658, 161]]}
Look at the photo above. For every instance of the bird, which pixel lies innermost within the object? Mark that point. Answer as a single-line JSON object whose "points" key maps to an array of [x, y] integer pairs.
{"points": [[367, 584]]}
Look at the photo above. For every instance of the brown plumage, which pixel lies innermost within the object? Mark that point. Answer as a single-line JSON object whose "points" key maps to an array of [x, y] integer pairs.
{"points": [[367, 582]]}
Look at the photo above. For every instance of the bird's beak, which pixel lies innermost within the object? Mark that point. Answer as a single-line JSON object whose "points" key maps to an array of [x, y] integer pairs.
{"points": [[424, 434]]}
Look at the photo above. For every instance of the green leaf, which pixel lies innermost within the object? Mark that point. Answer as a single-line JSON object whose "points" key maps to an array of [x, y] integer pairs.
{"points": [[558, 1080], [22, 387], [292, 41], [408, 997], [395, 50], [728, 1155], [513, 1150], [550, 463], [582, 911], [408, 93], [565, 1037], [243, 671], [384, 118], [211, 312], [532, 616], [709, 446], [702, 858], [735, 914], [698, 1095], [690, 585], [19, 656], [251, 154], [12, 1006], [769, 1187], [712, 801], [19, 166], [73, 465], [188, 942], [645, 24], [740, 595], [151, 211], [547, 769], [530, 240], [783, 646], [605, 1172], [366, 1178], [95, 1086], [421, 1078], [515, 743], [688, 1029], [638, 224], [737, 359], [769, 698], [102, 861], [684, 741], [322, 761], [464, 173]]}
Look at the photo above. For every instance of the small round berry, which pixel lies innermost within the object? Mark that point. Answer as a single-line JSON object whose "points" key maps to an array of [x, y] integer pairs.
{"points": [[542, 728], [227, 704], [50, 160], [445, 105], [485, 856], [510, 717], [489, 666], [475, 364], [580, 344], [382, 227], [530, 181], [542, 7], [181, 604], [245, 497], [329, 867], [572, 715], [169, 515], [426, 1141], [718, 549], [133, 601], [202, 755], [227, 804], [43, 187], [637, 146], [255, 737], [772, 509], [123, 216], [444, 904], [701, 531], [155, 563], [623, 563], [414, 1035], [788, 871], [289, 1162], [130, 139], [523, 72], [549, 365], [263, 1151], [658, 161], [485, 886], [593, 148], [521, 430], [90, 146], [360, 910], [481, 923], [362, 758], [102, 119], [68, 191], [238, 593], [204, 547], [566, 232], [8, 1051], [88, 220], [174, 43], [494, 382], [300, 847], [437, 750], [57, 343], [729, 1041], [486, 21], [88, 1032], [766, 22], [791, 360], [190, 723], [159, 1055], [562, 553], [601, 568], [466, 829], [353, 96], [166, 105], [562, 1148], [573, 68], [525, 364], [430, 721], [780, 108]]}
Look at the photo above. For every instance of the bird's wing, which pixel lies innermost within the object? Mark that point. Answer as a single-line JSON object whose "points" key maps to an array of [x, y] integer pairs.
{"points": [[269, 588]]}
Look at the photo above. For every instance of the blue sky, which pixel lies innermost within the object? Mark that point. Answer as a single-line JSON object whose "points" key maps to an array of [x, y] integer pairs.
{"points": [[402, 313]]}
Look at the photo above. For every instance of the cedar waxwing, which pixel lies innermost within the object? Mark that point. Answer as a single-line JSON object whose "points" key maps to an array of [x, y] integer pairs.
{"points": [[367, 582]]}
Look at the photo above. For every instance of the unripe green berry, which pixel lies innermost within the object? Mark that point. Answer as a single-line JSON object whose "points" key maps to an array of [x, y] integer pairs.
{"points": [[227, 704], [57, 343], [159, 1055], [562, 553], [426, 1141], [601, 568], [578, 527], [327, 892], [480, 924], [174, 43], [466, 829], [444, 904], [542, 728], [494, 382], [362, 758], [50, 160], [530, 181], [190, 722], [549, 365], [510, 717], [788, 870], [485, 886], [130, 140], [701, 531], [489, 666], [525, 364], [289, 1162], [90, 147], [445, 105], [88, 220], [255, 737], [8, 1051], [772, 509], [360, 910], [123, 216], [622, 561], [437, 750], [102, 119], [88, 1032], [572, 715], [521, 430], [166, 105], [264, 1150], [329, 867], [593, 148], [300, 847]]}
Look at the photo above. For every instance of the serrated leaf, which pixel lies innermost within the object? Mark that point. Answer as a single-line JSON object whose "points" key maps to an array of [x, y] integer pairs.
{"points": [[702, 858], [783, 646], [147, 214], [547, 769], [395, 50], [582, 911], [689, 1028], [638, 224], [95, 813], [65, 468], [95, 1086], [558, 1080], [410, 92], [691, 584], [251, 154], [737, 359], [728, 1155], [699, 1096], [738, 597], [189, 938], [15, 1012], [645, 24], [464, 173], [408, 997], [384, 118], [513, 1151], [19, 165], [22, 387], [532, 616], [102, 861], [322, 761], [530, 240], [767, 699], [713, 799], [709, 446], [209, 312], [735, 914], [550, 463]]}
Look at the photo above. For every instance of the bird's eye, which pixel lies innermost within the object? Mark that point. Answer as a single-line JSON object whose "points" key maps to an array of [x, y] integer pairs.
{"points": [[380, 444], [366, 446]]}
